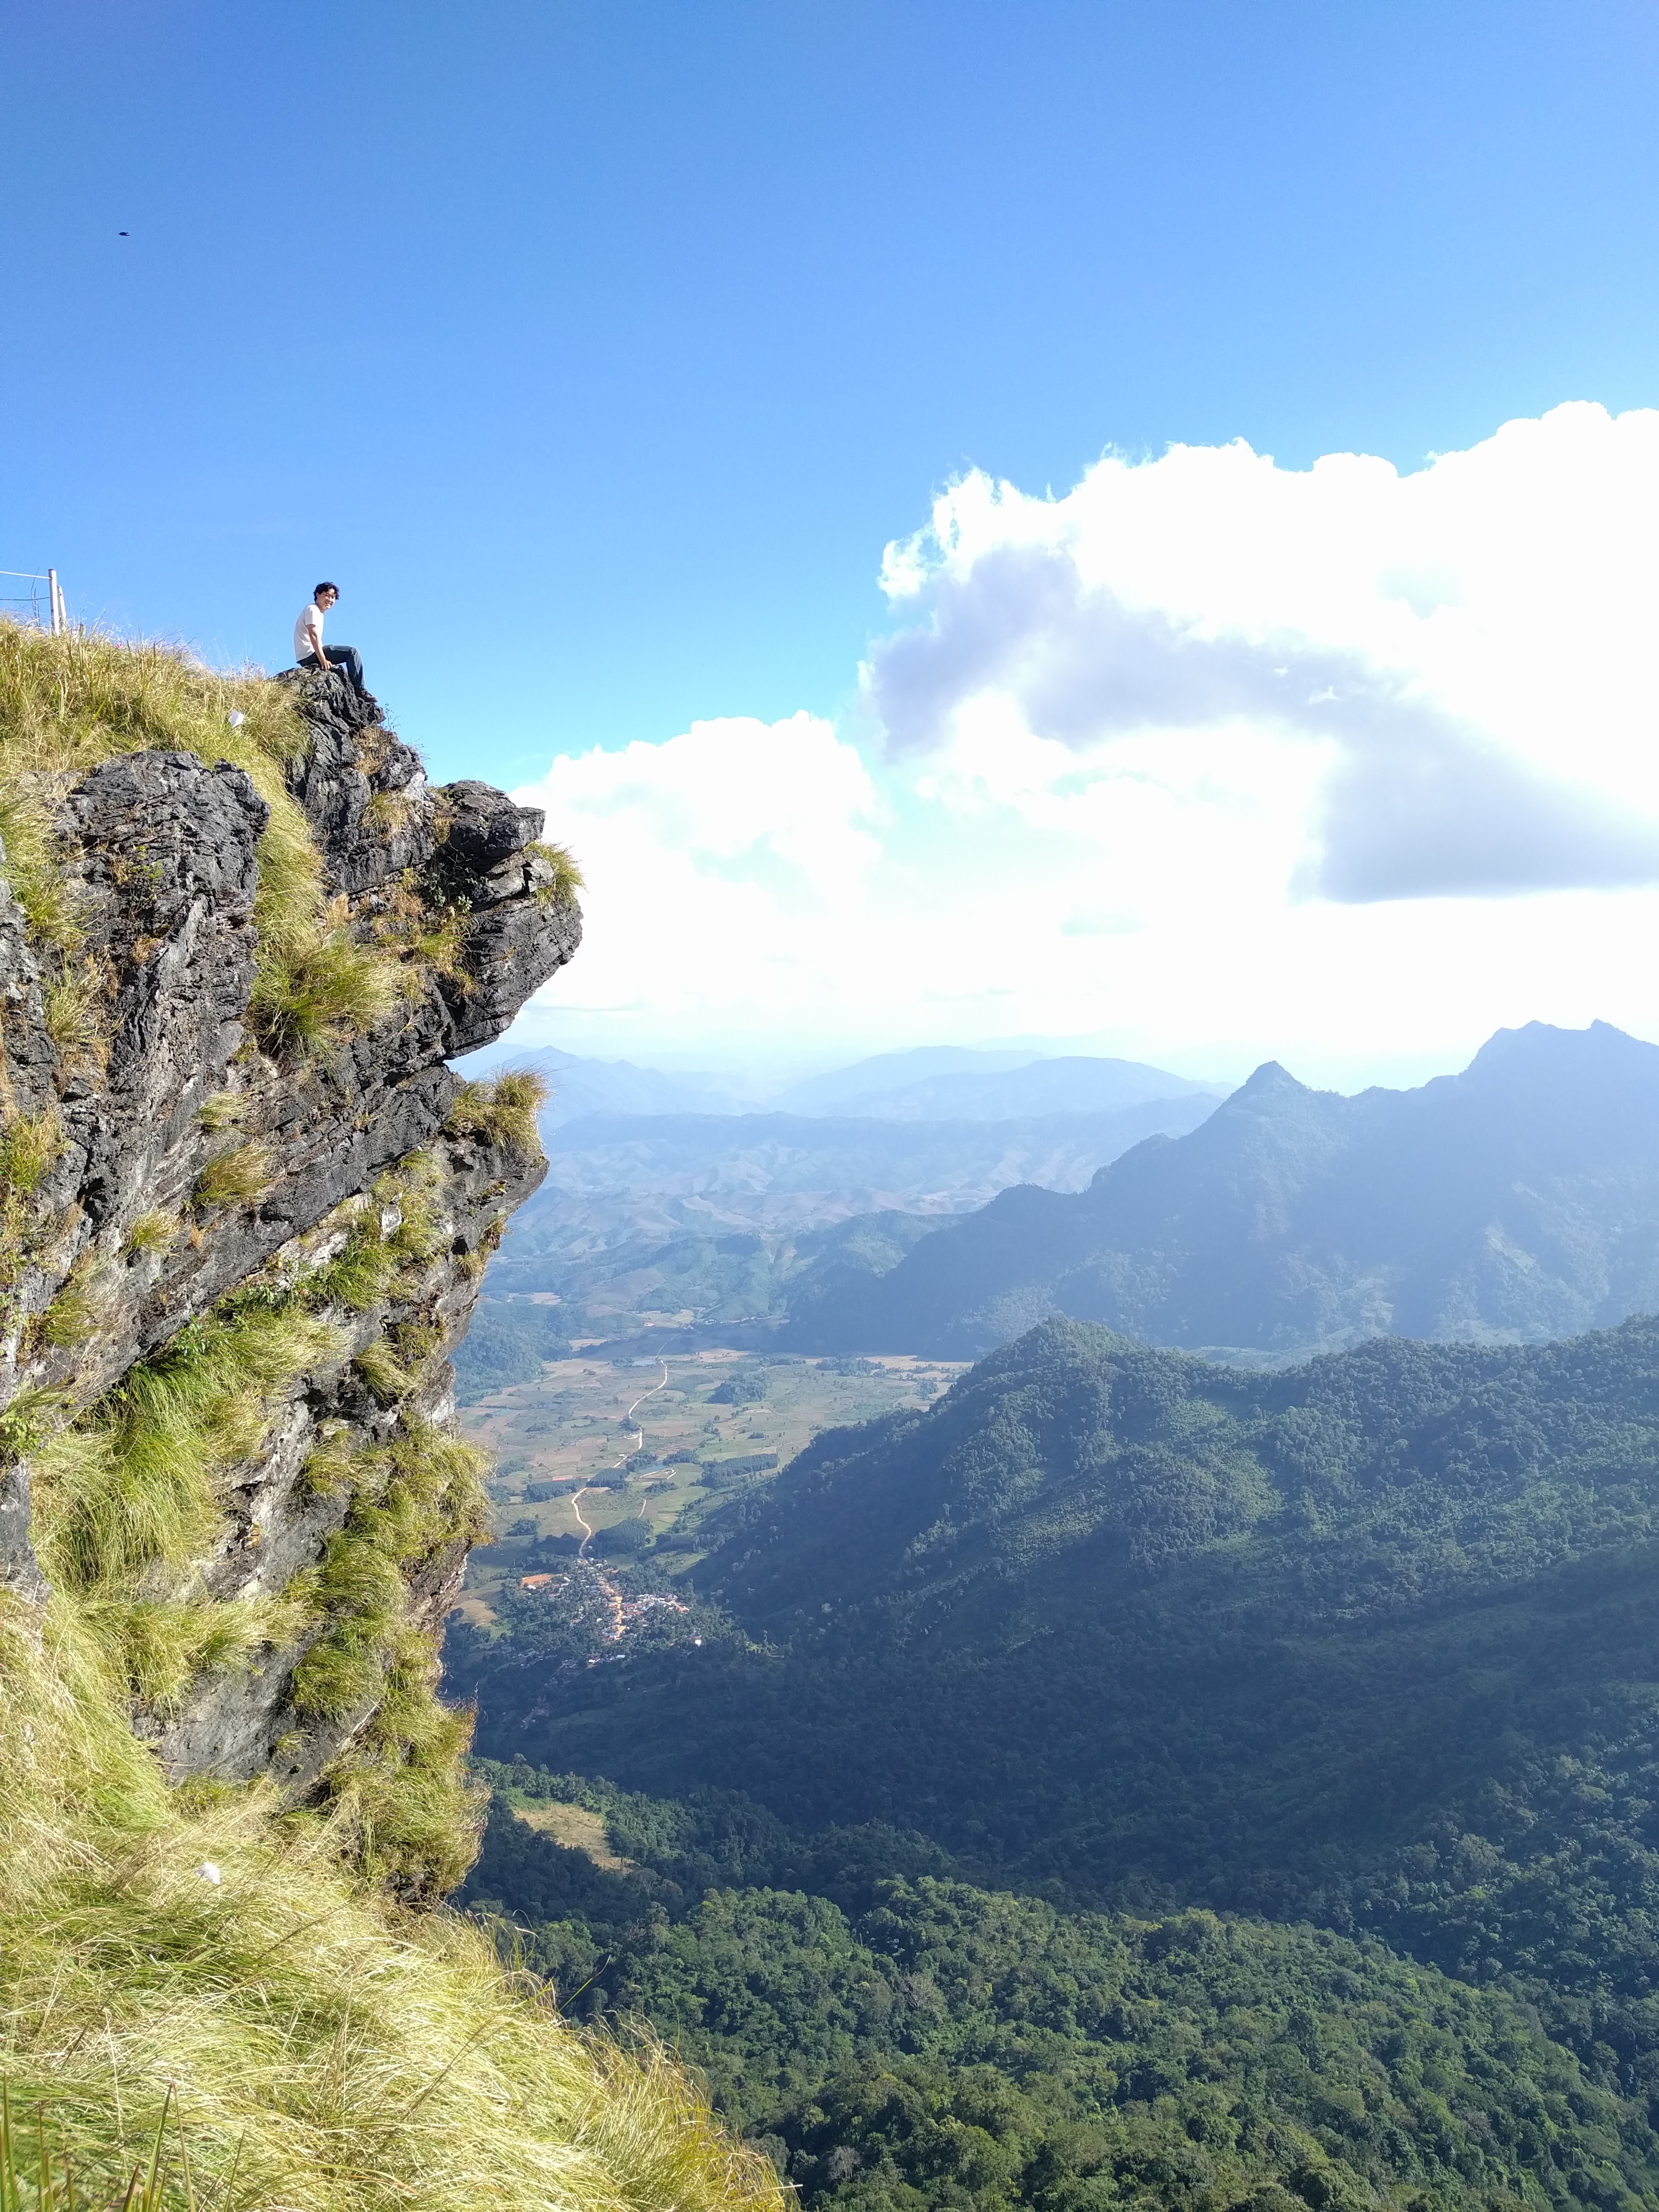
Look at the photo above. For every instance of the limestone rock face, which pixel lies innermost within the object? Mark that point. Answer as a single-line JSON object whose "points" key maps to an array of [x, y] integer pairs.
{"points": [[131, 1220], [20, 1572], [242, 1723]]}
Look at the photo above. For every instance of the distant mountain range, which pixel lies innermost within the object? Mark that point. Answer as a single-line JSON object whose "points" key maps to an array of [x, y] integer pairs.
{"points": [[579, 1087], [729, 1162], [712, 1216], [936, 1084], [930, 1083], [1518, 1200], [650, 1210]]}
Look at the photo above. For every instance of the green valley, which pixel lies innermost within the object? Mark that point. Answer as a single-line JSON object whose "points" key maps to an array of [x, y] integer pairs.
{"points": [[1369, 1646], [896, 2037]]}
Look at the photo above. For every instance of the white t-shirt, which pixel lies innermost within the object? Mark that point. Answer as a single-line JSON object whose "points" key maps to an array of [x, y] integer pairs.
{"points": [[308, 631]]}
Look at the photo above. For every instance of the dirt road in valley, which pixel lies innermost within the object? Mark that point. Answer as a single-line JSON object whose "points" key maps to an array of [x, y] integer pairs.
{"points": [[638, 1444]]}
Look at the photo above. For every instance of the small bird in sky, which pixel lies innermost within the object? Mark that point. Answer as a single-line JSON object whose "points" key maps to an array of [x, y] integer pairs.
{"points": [[121, 234]]}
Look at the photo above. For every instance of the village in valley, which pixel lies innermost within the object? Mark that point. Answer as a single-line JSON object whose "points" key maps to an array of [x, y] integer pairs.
{"points": [[603, 1469]]}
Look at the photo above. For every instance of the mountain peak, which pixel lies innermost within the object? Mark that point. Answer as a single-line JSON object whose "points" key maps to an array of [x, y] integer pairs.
{"points": [[1539, 1049], [1269, 1078]]}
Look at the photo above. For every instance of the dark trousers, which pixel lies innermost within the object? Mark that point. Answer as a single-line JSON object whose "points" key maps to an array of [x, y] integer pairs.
{"points": [[346, 659]]}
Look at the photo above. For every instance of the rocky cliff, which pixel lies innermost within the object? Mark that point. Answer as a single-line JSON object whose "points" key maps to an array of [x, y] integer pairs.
{"points": [[245, 1207], [244, 1211]]}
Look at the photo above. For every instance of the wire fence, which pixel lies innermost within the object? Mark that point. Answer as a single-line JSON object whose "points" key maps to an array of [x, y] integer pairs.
{"points": [[42, 604]]}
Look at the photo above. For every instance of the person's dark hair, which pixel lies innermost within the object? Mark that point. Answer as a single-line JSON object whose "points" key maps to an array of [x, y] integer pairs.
{"points": [[316, 590]]}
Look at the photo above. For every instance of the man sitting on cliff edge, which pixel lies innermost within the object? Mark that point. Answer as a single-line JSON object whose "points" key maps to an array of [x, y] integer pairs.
{"points": [[308, 641]]}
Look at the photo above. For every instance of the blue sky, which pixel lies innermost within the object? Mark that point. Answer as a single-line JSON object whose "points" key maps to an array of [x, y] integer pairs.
{"points": [[600, 351]]}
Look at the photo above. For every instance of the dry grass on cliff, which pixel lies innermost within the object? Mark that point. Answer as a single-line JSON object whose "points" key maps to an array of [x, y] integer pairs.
{"points": [[567, 877], [415, 1818], [134, 1485], [67, 703], [502, 1112], [328, 2053], [128, 1499]]}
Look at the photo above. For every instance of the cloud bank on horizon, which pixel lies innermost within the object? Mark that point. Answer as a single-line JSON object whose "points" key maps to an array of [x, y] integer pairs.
{"points": [[1224, 760]]}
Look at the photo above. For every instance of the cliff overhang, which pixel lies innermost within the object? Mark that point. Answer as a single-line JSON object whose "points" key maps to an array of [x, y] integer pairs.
{"points": [[246, 1208]]}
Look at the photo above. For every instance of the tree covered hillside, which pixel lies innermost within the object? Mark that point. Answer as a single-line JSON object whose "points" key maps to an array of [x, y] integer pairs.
{"points": [[898, 2038], [1375, 1642], [1519, 1199]]}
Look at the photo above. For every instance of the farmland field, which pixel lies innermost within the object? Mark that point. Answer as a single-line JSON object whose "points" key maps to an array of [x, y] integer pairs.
{"points": [[550, 1439]]}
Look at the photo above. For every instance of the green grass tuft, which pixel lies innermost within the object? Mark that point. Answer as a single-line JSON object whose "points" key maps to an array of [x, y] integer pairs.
{"points": [[236, 1177], [222, 1109], [426, 941], [155, 1231], [361, 1274], [134, 1484], [51, 906], [27, 1422], [381, 1369], [567, 877], [335, 1464], [165, 1645], [71, 1318], [315, 984], [29, 1145], [32, 2158], [414, 1815], [388, 812], [402, 1789], [502, 1112], [74, 1007], [412, 1189], [395, 1232]]}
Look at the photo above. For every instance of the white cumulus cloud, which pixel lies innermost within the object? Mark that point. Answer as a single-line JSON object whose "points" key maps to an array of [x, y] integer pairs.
{"points": [[1208, 760], [1465, 648], [719, 865]]}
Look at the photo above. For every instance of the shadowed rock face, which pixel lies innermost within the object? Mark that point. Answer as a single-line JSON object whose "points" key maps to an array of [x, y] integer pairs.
{"points": [[163, 848]]}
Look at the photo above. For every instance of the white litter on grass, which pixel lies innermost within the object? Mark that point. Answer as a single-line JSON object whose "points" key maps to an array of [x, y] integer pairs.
{"points": [[208, 1872], [237, 718]]}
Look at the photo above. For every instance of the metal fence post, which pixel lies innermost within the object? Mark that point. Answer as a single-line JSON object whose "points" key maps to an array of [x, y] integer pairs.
{"points": [[57, 612]]}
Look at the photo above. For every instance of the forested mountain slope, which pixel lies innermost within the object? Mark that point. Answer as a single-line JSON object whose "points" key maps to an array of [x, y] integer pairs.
{"points": [[1374, 1641], [897, 2037], [1518, 1200]]}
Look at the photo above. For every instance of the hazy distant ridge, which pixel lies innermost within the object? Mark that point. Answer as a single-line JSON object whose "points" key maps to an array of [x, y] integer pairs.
{"points": [[929, 1083], [662, 1195], [936, 1084], [1519, 1199]]}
